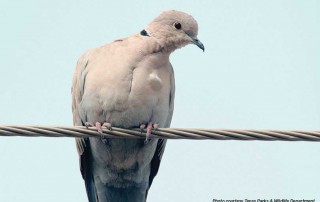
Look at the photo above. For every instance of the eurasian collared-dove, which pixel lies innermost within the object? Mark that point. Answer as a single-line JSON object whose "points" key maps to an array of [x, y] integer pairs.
{"points": [[128, 83]]}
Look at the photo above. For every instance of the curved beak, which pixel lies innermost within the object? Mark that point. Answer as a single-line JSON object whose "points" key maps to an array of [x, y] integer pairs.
{"points": [[198, 43]]}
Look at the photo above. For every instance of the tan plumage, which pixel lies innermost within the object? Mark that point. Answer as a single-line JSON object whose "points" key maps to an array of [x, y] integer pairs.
{"points": [[127, 83]]}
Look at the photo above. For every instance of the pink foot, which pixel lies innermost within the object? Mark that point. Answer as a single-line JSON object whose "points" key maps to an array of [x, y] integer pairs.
{"points": [[107, 125], [99, 126], [149, 129]]}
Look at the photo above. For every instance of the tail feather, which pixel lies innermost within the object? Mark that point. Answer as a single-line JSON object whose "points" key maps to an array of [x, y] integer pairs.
{"points": [[91, 191], [114, 194]]}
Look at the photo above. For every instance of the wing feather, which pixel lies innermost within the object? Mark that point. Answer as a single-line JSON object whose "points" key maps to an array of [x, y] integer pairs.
{"points": [[77, 90], [155, 162]]}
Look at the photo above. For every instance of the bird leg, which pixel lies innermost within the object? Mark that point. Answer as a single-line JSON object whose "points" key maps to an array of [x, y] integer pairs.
{"points": [[149, 129], [148, 135], [99, 128]]}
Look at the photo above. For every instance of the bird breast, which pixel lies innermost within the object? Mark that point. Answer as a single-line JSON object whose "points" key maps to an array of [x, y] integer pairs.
{"points": [[154, 81]]}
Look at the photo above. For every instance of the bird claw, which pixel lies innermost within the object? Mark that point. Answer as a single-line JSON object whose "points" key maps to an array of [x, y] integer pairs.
{"points": [[155, 127], [107, 125], [88, 124], [142, 127], [99, 126], [150, 126], [104, 140]]}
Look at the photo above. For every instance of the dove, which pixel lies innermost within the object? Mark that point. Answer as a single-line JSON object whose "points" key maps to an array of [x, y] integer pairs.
{"points": [[128, 83]]}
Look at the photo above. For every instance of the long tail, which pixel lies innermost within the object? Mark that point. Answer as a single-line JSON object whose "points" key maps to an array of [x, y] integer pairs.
{"points": [[128, 194]]}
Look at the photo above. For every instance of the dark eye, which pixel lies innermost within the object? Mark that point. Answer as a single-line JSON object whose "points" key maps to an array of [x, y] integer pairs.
{"points": [[177, 25]]}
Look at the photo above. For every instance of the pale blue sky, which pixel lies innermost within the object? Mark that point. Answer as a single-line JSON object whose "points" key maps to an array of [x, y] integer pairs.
{"points": [[260, 70]]}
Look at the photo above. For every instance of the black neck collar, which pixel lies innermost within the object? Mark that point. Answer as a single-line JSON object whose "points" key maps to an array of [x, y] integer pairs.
{"points": [[144, 33]]}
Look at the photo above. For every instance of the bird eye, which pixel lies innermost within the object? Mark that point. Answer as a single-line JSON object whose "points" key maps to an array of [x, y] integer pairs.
{"points": [[177, 25]]}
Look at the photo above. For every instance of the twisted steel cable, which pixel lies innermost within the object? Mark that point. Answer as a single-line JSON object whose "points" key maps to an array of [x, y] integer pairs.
{"points": [[166, 133]]}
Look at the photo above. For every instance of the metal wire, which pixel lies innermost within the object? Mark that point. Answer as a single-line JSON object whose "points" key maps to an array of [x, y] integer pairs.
{"points": [[166, 133]]}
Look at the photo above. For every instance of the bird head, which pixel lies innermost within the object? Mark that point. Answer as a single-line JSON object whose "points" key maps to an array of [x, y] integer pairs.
{"points": [[174, 29]]}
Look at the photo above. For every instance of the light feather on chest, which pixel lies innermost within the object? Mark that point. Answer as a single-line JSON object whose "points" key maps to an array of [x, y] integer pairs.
{"points": [[154, 82]]}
